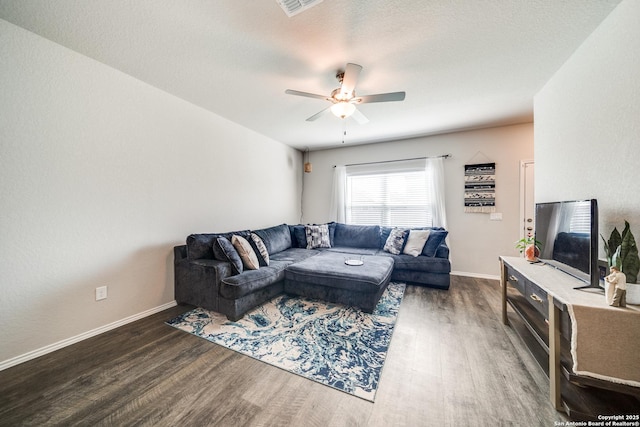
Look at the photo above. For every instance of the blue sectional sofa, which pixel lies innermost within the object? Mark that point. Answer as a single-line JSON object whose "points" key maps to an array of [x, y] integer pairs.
{"points": [[205, 276]]}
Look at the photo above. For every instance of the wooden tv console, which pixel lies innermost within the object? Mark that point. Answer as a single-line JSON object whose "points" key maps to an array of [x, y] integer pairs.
{"points": [[534, 303]]}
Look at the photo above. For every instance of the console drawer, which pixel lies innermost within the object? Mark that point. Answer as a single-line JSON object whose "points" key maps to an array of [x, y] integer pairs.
{"points": [[516, 280], [537, 298]]}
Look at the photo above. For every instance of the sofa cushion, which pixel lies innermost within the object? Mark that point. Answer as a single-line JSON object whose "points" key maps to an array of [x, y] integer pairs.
{"points": [[251, 281], [357, 236], [201, 245], [261, 250], [230, 254], [436, 237], [415, 242], [419, 263], [317, 236], [396, 240], [248, 256], [328, 269], [352, 251], [276, 239], [294, 255]]}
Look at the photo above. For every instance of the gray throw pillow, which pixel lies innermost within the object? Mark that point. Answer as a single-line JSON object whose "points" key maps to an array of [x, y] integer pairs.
{"points": [[261, 249], [317, 236], [395, 241]]}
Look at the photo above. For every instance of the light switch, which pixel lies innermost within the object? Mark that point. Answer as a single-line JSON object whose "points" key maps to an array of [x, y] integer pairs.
{"points": [[495, 216]]}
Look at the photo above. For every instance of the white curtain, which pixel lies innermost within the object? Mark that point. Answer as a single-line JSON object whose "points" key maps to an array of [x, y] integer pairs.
{"points": [[337, 209], [434, 172]]}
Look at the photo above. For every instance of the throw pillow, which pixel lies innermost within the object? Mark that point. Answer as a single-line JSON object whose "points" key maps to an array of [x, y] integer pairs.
{"points": [[415, 242], [300, 236], [248, 256], [317, 236], [230, 254], [332, 231], [261, 249], [436, 237], [395, 241]]}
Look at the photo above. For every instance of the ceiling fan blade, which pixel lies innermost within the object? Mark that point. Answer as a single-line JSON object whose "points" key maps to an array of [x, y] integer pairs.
{"points": [[349, 80], [359, 117], [307, 94], [319, 114], [381, 97]]}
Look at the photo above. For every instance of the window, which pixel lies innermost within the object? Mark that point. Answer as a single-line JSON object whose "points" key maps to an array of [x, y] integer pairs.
{"points": [[391, 195]]}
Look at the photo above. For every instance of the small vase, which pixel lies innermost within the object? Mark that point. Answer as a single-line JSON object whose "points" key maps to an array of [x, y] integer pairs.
{"points": [[531, 253]]}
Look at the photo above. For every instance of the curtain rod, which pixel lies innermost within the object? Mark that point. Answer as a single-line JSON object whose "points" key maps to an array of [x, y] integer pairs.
{"points": [[444, 156]]}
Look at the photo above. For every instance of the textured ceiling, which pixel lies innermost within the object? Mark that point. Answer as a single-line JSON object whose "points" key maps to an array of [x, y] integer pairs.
{"points": [[463, 63]]}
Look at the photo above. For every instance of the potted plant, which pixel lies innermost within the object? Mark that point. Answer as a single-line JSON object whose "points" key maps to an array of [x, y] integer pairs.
{"points": [[530, 247], [622, 252]]}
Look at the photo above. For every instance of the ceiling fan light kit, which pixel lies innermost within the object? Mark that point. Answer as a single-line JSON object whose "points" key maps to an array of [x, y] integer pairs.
{"points": [[343, 109], [344, 98]]}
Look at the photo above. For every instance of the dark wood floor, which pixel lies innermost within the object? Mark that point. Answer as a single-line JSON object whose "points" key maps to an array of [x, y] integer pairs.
{"points": [[451, 363]]}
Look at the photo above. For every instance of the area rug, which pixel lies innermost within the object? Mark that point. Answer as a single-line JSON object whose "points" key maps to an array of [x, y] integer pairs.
{"points": [[333, 344]]}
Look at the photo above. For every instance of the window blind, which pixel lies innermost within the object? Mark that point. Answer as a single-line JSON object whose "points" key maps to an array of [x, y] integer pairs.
{"points": [[395, 195]]}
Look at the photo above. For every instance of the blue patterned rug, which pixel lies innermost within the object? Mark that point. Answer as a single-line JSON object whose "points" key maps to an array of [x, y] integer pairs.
{"points": [[332, 344]]}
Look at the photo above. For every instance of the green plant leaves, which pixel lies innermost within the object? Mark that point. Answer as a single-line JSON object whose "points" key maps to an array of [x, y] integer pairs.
{"points": [[522, 244], [629, 260], [622, 251], [610, 246]]}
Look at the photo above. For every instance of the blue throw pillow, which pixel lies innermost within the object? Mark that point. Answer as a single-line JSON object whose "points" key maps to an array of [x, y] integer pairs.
{"points": [[226, 247], [300, 236], [436, 237]]}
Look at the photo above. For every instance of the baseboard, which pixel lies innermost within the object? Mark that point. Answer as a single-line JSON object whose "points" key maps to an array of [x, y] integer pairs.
{"points": [[476, 275], [92, 333]]}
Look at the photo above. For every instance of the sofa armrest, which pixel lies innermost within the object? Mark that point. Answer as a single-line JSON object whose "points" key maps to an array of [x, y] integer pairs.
{"points": [[197, 282], [442, 251], [179, 253]]}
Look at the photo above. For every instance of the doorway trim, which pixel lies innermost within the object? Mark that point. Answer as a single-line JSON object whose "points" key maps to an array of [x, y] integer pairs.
{"points": [[523, 183]]}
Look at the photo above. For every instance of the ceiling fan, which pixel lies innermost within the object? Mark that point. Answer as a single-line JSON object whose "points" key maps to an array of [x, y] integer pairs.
{"points": [[344, 98]]}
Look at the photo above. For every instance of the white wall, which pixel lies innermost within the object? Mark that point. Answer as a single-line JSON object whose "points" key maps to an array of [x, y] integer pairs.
{"points": [[100, 176], [587, 124], [475, 241]]}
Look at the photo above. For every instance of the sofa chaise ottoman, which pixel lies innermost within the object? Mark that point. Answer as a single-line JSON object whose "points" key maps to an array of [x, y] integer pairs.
{"points": [[328, 277]]}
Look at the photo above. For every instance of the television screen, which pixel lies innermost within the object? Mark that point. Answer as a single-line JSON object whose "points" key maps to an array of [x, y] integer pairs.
{"points": [[568, 236]]}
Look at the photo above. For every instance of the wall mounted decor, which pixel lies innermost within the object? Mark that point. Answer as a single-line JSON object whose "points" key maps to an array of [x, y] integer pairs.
{"points": [[480, 187]]}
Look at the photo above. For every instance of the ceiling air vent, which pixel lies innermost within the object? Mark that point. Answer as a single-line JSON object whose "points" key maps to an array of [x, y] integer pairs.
{"points": [[293, 7]]}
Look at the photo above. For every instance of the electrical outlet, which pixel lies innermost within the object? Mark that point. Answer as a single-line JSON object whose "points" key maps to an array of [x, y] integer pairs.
{"points": [[101, 293]]}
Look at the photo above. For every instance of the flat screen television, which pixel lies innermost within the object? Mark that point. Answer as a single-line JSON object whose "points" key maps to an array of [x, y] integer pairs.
{"points": [[568, 236]]}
